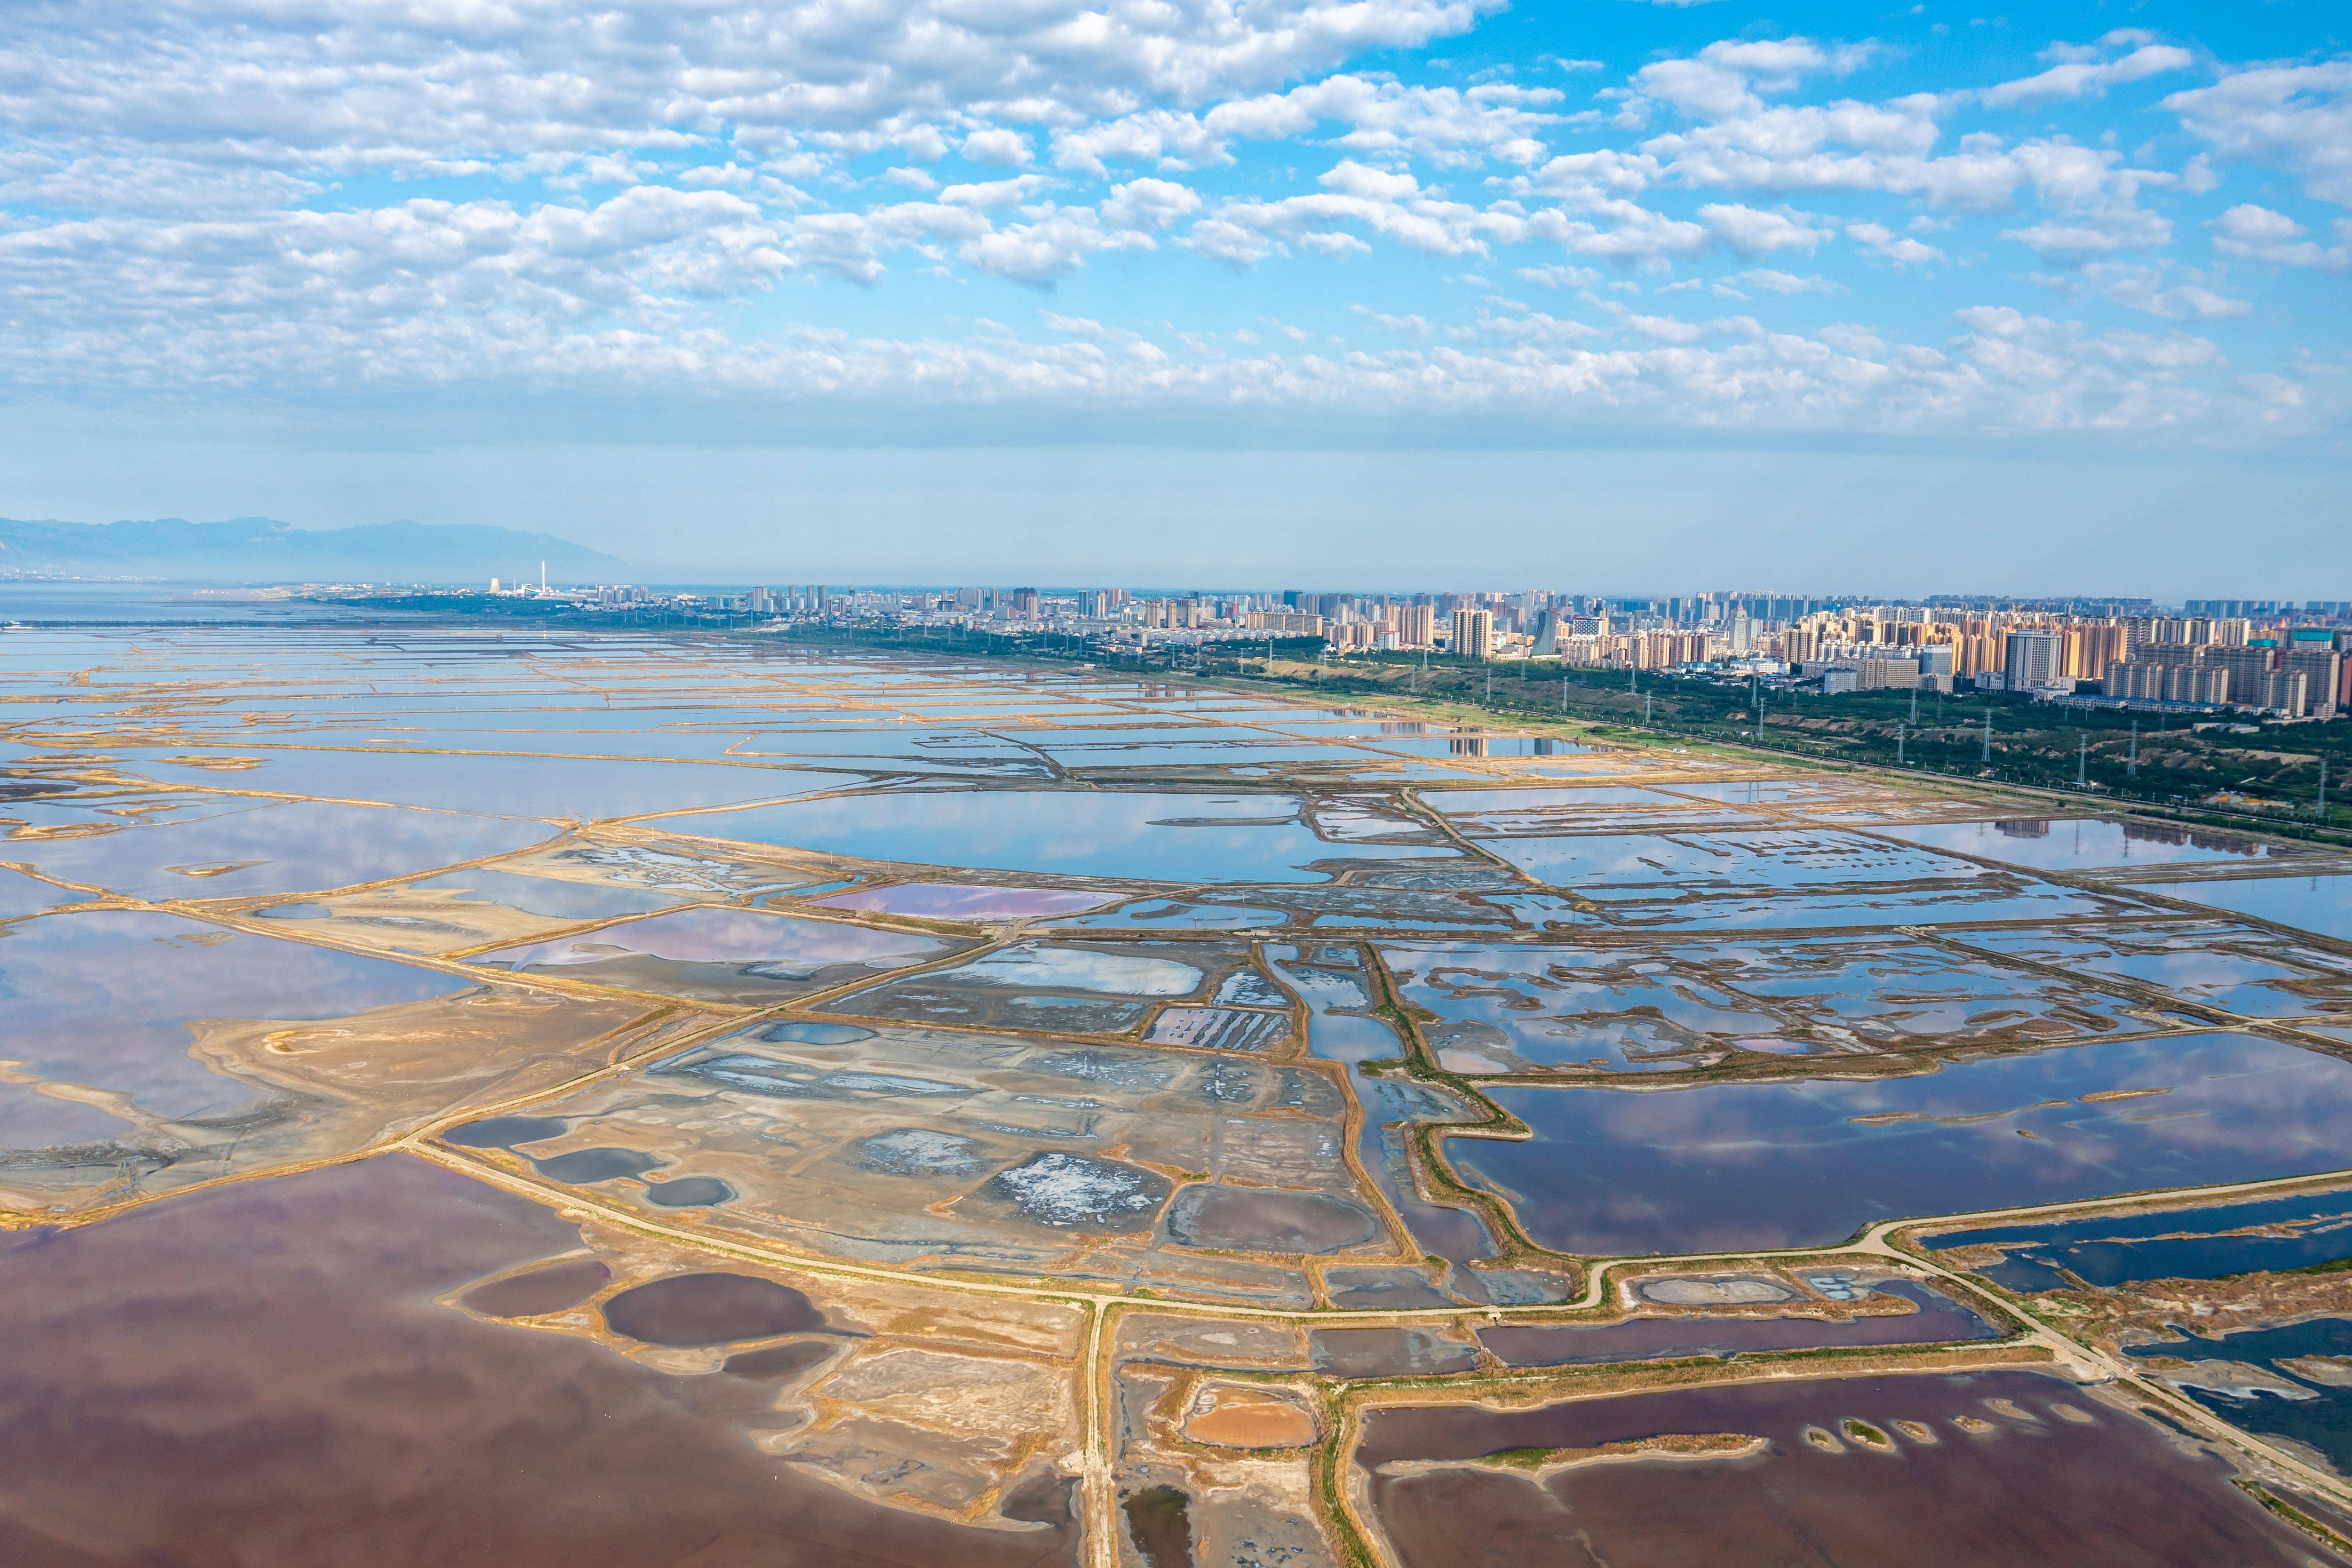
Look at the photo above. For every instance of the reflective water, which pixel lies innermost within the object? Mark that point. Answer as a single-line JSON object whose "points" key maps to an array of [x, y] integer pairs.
{"points": [[1954, 1481], [581, 787], [1156, 837], [1774, 1164], [2316, 1359], [722, 953], [306, 1399], [2107, 1250], [108, 1002], [1939, 1319], [265, 846], [2319, 904], [2074, 844], [1791, 858], [965, 902]]}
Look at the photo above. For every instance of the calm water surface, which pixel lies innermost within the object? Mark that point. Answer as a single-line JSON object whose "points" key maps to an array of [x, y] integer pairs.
{"points": [[1776, 1164]]}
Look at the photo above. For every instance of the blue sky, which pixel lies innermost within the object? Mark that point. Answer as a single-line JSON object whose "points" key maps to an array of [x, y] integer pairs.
{"points": [[1612, 295]]}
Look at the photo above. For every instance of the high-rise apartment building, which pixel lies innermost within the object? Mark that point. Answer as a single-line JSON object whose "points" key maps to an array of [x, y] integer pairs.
{"points": [[2249, 669], [2033, 660], [1474, 633], [1416, 625], [2321, 669]]}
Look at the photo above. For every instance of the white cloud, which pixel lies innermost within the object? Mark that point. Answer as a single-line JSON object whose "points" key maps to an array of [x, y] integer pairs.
{"points": [[1554, 276], [1149, 204], [2077, 77], [1773, 281], [1391, 205], [390, 84], [2095, 235], [987, 194], [2258, 234], [1749, 233], [1665, 329], [1730, 77], [1410, 326], [1054, 243], [998, 145], [2151, 289], [2297, 118], [1881, 241]]}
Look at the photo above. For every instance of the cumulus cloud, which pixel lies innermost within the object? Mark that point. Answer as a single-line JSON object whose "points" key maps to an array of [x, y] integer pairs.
{"points": [[1883, 242], [1054, 243], [2086, 72], [998, 145], [2156, 291], [2297, 118], [1750, 233], [2258, 234], [1149, 203], [194, 196]]}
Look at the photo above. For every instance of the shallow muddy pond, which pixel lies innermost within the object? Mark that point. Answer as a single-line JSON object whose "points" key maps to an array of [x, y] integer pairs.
{"points": [[1939, 1319], [305, 1392], [723, 954], [1929, 1471]]}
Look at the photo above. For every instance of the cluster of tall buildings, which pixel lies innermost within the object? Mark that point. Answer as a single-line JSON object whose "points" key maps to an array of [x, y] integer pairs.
{"points": [[2282, 658]]}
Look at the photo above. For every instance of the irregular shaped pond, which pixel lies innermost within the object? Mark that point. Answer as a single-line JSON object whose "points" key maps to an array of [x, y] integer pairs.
{"points": [[709, 1309], [543, 1290]]}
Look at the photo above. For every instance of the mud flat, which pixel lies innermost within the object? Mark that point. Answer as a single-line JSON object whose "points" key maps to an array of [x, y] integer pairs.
{"points": [[1931, 1472], [303, 1392]]}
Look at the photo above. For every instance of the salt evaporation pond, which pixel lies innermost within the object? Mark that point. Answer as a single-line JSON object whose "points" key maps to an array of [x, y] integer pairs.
{"points": [[2312, 1404], [2319, 904], [1939, 1319], [1153, 836], [1952, 1480], [1728, 1166], [2107, 1250], [2075, 844]]}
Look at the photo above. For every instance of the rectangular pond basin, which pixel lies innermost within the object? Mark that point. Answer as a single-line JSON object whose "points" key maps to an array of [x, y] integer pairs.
{"points": [[1731, 1166], [1926, 1471], [2322, 905], [2086, 843], [1151, 835]]}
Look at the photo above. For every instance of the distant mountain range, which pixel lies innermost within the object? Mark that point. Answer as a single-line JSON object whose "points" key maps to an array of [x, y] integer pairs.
{"points": [[259, 550]]}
